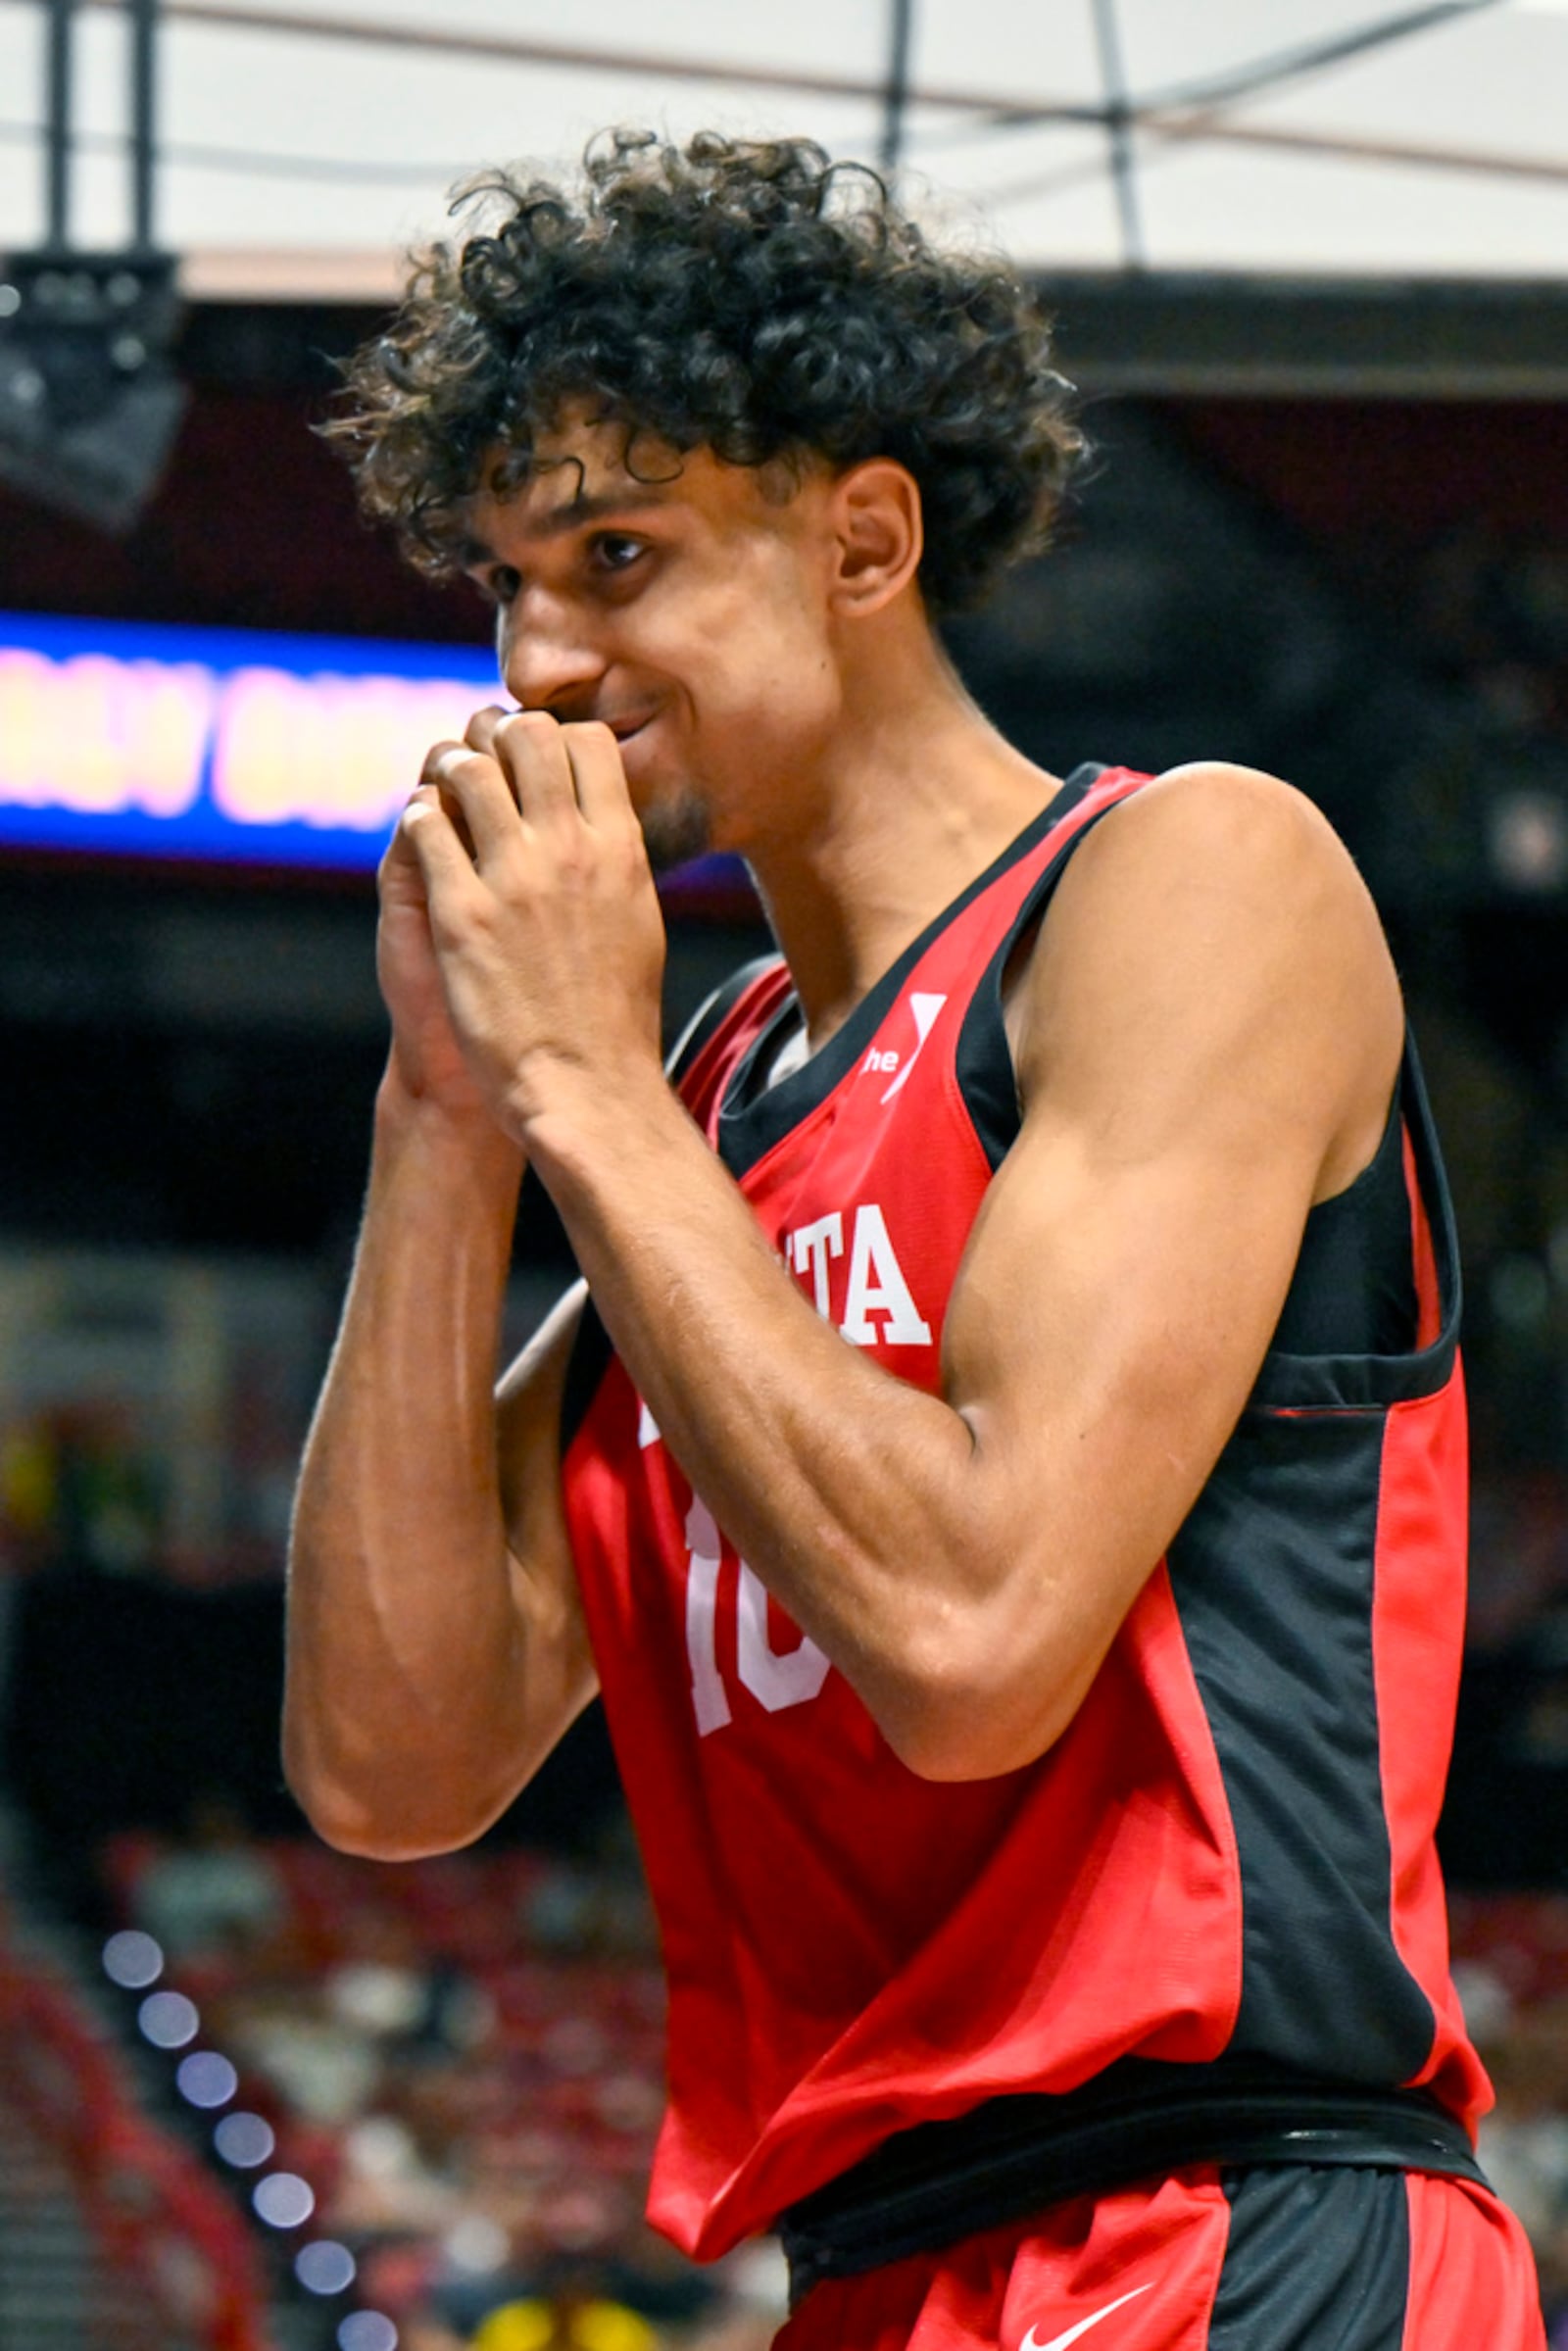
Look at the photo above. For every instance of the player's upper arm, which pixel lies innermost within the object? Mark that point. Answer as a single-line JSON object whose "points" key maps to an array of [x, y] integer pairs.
{"points": [[1208, 1033], [558, 1668]]}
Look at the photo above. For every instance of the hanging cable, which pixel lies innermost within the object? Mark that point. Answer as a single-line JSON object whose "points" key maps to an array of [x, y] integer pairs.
{"points": [[1281, 67], [143, 119], [1119, 132], [57, 125], [1261, 77], [895, 102]]}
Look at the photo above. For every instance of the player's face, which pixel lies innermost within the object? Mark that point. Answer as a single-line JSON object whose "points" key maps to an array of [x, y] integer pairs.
{"points": [[686, 605]]}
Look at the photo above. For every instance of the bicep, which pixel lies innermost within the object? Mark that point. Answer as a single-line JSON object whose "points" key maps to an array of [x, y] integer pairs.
{"points": [[1211, 1030], [1125, 1310]]}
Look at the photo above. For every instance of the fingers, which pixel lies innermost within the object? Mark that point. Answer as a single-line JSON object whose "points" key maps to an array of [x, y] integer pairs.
{"points": [[474, 793], [427, 835], [598, 776], [528, 746], [556, 771]]}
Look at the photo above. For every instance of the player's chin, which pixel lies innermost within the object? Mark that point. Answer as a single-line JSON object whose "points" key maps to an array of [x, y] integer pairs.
{"points": [[675, 828]]}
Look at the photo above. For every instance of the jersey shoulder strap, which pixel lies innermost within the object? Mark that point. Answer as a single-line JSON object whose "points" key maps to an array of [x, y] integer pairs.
{"points": [[711, 1014]]}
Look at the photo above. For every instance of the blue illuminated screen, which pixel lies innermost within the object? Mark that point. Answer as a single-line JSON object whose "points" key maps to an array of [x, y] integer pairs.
{"points": [[220, 744]]}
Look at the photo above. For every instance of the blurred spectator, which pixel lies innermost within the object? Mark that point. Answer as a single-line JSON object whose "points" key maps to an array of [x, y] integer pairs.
{"points": [[212, 1892], [589, 2325], [78, 1483]]}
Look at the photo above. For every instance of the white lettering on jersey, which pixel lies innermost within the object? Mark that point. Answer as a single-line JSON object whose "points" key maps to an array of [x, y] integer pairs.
{"points": [[877, 1287], [925, 1009], [810, 1247], [876, 1059], [703, 1552], [778, 1681]]}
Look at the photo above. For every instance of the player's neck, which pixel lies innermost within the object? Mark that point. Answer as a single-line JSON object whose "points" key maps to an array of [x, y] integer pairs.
{"points": [[919, 795]]}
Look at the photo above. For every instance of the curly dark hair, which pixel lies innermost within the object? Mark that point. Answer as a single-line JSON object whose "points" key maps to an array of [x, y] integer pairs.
{"points": [[752, 298]]}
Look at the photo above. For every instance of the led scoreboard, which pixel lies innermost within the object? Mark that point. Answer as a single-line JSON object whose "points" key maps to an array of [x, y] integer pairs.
{"points": [[220, 744]]}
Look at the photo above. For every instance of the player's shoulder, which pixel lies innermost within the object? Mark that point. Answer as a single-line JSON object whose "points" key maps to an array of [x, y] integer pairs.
{"points": [[1234, 834], [1221, 810], [1212, 896]]}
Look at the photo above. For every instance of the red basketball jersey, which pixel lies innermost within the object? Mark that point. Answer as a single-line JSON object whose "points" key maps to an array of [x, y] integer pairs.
{"points": [[1231, 1847]]}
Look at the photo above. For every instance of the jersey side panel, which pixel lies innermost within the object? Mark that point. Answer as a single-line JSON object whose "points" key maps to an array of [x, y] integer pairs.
{"points": [[1418, 1640], [1273, 1574], [1418, 1621]]}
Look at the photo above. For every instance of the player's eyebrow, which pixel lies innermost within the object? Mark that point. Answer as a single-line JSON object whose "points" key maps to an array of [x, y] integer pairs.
{"points": [[570, 515], [584, 509]]}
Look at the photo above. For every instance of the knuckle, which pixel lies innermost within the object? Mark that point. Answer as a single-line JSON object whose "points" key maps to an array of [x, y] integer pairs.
{"points": [[525, 724], [436, 759], [446, 769]]}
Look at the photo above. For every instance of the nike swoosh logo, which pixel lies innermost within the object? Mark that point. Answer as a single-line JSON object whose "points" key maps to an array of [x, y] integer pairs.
{"points": [[1060, 2342]]}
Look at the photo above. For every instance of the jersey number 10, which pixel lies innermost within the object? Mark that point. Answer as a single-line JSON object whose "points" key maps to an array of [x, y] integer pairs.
{"points": [[774, 1680]]}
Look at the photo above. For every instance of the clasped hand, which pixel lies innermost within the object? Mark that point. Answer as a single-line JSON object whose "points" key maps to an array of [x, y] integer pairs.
{"points": [[521, 946]]}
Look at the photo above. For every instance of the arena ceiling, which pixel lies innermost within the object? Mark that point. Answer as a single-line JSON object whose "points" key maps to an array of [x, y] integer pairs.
{"points": [[302, 144]]}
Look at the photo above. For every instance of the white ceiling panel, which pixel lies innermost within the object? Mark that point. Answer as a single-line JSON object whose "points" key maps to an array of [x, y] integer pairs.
{"points": [[1493, 79], [1323, 217], [305, 144]]}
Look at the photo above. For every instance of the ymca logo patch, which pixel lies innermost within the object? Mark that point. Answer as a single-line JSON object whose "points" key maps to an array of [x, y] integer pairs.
{"points": [[897, 1066]]}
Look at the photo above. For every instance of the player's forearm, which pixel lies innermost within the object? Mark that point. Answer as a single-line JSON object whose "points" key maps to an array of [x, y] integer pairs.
{"points": [[401, 1625], [857, 1497]]}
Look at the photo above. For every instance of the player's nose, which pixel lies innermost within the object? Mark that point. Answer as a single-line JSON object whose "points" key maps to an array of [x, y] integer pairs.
{"points": [[550, 658]]}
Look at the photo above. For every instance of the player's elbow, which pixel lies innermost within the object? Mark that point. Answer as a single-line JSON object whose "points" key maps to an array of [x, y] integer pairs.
{"points": [[380, 1815], [958, 1717], [373, 1831], [967, 1746]]}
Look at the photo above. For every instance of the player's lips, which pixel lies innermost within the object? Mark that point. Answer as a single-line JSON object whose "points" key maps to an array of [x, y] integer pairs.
{"points": [[632, 734], [624, 729]]}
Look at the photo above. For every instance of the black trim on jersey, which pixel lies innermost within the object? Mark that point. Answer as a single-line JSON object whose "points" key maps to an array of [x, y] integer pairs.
{"points": [[1272, 1573], [930, 2185], [983, 1058], [711, 1016], [753, 1117], [1353, 1291], [1313, 2257], [591, 1357], [1367, 1383]]}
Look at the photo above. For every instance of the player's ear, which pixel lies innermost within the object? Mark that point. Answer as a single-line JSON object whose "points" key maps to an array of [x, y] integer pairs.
{"points": [[880, 535]]}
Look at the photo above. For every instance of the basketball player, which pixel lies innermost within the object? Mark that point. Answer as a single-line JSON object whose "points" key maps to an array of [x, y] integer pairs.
{"points": [[1004, 1469]]}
